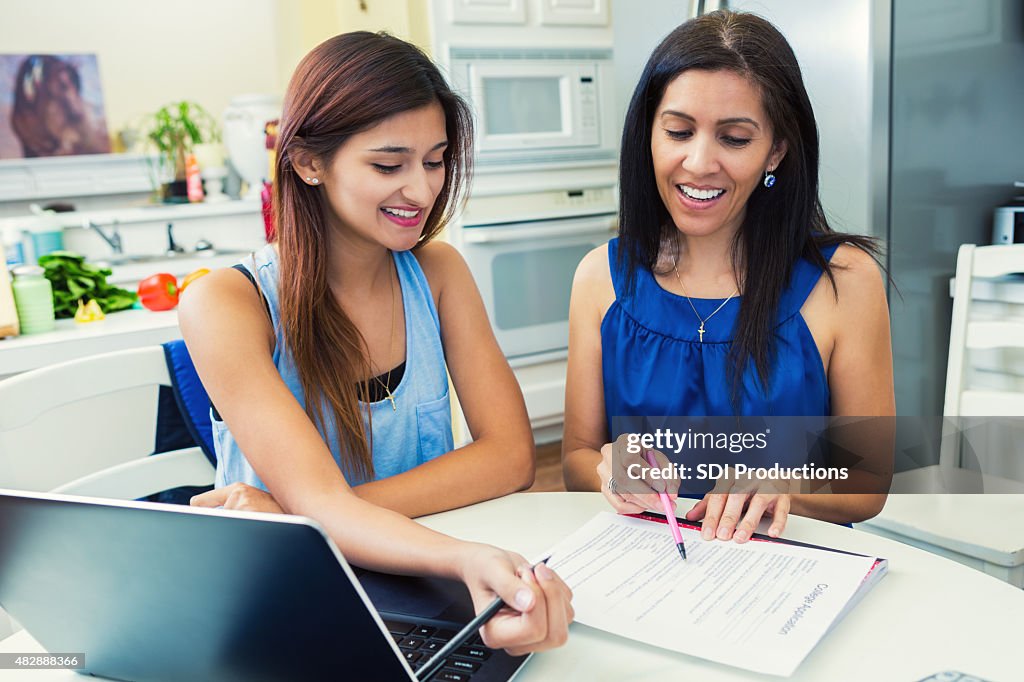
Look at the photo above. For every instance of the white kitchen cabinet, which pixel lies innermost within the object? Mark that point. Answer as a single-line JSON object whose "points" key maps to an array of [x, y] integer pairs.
{"points": [[574, 12], [59, 177], [488, 11]]}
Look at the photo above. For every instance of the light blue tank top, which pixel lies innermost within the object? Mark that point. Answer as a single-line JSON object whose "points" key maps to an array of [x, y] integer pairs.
{"points": [[417, 431]]}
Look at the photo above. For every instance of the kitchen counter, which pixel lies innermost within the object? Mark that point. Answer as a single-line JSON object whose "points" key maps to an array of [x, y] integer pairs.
{"points": [[120, 330], [125, 329]]}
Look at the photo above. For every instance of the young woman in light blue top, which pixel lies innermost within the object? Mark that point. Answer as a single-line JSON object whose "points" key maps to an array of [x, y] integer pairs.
{"points": [[326, 363]]}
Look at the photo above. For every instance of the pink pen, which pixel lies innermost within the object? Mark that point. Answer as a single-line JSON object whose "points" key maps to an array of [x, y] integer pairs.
{"points": [[670, 514]]}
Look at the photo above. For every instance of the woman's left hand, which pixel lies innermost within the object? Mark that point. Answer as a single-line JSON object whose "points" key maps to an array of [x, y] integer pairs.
{"points": [[238, 496], [736, 514]]}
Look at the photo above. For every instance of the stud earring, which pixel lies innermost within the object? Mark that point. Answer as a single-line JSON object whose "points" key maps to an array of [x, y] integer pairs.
{"points": [[316, 181], [769, 178]]}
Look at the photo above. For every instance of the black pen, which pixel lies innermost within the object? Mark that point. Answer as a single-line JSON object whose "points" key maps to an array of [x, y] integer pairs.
{"points": [[438, 659]]}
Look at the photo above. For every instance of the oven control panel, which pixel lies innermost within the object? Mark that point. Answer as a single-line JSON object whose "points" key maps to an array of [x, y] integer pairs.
{"points": [[544, 205]]}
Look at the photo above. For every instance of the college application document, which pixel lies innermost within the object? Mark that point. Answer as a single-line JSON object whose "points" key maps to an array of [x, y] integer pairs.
{"points": [[761, 605]]}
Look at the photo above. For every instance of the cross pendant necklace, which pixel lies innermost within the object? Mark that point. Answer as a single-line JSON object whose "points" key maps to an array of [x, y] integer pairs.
{"points": [[700, 329]]}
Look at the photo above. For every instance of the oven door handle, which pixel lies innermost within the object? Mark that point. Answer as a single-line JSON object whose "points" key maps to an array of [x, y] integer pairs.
{"points": [[492, 235]]}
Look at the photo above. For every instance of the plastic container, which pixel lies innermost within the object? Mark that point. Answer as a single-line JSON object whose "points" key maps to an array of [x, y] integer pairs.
{"points": [[42, 234], [47, 242], [33, 298], [14, 250]]}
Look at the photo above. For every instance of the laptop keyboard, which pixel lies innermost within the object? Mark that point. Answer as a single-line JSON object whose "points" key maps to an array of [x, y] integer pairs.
{"points": [[419, 643]]}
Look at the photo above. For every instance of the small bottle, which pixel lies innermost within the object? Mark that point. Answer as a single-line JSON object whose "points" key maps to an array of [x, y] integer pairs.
{"points": [[193, 179], [33, 297]]}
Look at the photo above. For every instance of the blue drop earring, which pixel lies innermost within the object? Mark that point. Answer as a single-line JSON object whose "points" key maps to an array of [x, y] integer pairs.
{"points": [[769, 178]]}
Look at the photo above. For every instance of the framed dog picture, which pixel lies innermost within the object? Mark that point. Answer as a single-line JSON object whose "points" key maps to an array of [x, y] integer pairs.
{"points": [[51, 105]]}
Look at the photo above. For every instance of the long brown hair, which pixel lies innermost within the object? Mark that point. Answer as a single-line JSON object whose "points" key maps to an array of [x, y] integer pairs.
{"points": [[345, 85]]}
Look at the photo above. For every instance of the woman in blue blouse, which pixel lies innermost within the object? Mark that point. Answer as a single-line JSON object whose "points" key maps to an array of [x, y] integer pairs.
{"points": [[726, 292]]}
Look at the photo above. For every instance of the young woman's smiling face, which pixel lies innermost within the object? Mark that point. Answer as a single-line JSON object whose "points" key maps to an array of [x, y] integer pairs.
{"points": [[711, 143], [382, 182]]}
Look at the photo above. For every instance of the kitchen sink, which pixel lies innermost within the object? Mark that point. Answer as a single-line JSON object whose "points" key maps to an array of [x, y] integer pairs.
{"points": [[119, 260], [128, 271]]}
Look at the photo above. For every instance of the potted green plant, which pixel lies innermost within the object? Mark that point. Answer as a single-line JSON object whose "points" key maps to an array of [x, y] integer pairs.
{"points": [[174, 130]]}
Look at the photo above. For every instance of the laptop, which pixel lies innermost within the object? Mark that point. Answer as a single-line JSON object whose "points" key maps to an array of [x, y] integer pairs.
{"points": [[164, 592]]}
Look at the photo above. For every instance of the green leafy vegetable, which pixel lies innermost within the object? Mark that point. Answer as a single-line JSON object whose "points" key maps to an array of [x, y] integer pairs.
{"points": [[73, 279]]}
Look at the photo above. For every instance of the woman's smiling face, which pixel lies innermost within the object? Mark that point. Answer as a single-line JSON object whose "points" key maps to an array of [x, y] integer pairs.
{"points": [[382, 182], [711, 143]]}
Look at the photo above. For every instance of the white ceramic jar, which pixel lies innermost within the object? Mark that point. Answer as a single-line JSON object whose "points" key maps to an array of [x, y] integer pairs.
{"points": [[245, 139]]}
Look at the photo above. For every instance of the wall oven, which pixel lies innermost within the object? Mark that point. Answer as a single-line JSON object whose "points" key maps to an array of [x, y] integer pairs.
{"points": [[524, 264]]}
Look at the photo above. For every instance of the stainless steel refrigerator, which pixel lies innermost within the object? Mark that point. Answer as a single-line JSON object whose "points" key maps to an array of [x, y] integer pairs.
{"points": [[920, 109]]}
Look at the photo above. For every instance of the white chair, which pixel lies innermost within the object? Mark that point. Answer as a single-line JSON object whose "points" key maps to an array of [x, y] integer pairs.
{"points": [[87, 427], [971, 332], [982, 531]]}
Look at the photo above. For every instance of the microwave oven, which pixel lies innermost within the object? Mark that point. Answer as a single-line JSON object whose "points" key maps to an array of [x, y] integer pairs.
{"points": [[537, 107]]}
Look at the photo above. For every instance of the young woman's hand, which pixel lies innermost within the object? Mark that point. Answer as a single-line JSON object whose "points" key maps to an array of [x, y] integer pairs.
{"points": [[238, 496], [540, 607]]}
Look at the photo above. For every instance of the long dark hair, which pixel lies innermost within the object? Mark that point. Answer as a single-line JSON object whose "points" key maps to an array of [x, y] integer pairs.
{"points": [[345, 85], [782, 223]]}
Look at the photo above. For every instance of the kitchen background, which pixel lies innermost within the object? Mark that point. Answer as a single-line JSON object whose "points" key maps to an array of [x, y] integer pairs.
{"points": [[918, 103]]}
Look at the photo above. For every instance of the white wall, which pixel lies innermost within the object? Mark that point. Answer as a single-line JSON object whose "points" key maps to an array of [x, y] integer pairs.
{"points": [[151, 53]]}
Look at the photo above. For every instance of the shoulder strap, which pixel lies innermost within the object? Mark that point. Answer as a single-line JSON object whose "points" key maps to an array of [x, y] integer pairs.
{"points": [[801, 283], [614, 268], [253, 281]]}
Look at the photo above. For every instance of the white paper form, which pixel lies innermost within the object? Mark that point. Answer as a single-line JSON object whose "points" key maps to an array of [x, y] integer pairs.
{"points": [[761, 606]]}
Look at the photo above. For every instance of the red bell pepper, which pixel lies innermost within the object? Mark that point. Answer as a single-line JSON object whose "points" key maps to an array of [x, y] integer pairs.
{"points": [[159, 292]]}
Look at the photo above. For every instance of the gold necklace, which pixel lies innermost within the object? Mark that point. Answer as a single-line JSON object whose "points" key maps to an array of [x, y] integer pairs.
{"points": [[386, 384], [700, 329]]}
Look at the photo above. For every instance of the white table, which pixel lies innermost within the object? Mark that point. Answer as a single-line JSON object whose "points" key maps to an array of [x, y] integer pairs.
{"points": [[929, 613]]}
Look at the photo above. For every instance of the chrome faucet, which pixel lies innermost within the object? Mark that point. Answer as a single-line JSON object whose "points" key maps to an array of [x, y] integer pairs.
{"points": [[113, 239]]}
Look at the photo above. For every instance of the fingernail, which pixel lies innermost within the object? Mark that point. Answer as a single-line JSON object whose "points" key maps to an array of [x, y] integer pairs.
{"points": [[524, 599], [543, 572], [723, 533], [741, 535], [706, 534], [773, 531]]}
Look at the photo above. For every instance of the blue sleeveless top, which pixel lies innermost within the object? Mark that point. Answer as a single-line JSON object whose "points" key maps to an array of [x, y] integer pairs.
{"points": [[419, 430], [655, 365]]}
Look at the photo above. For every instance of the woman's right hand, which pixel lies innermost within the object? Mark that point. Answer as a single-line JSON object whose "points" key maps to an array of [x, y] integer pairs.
{"points": [[630, 495], [540, 607]]}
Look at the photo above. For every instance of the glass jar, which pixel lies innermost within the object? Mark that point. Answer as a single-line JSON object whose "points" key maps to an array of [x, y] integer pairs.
{"points": [[33, 298]]}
